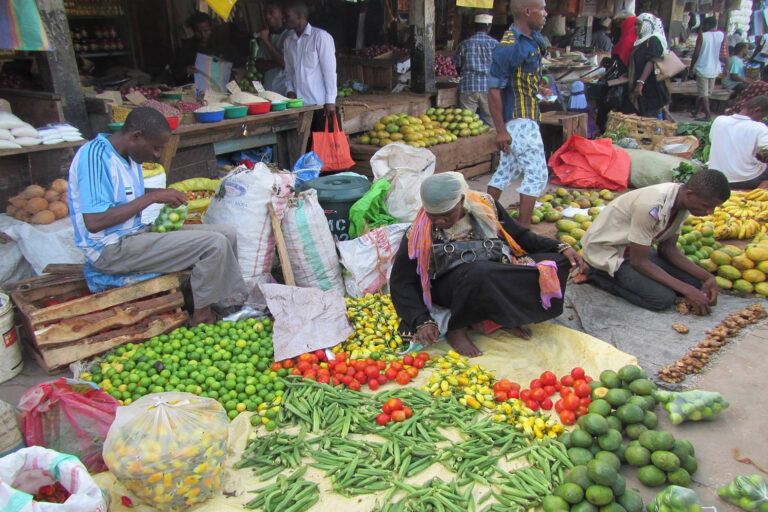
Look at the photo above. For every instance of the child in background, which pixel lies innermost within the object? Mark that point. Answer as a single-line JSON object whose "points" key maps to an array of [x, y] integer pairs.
{"points": [[578, 103]]}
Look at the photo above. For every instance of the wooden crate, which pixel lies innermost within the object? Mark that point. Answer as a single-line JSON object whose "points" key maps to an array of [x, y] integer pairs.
{"points": [[80, 326], [471, 156], [379, 74], [647, 131]]}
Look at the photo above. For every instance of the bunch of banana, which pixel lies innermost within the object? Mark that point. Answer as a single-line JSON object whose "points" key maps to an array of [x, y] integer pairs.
{"points": [[743, 215], [759, 194]]}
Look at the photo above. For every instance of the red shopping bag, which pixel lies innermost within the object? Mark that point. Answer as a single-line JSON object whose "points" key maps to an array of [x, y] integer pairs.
{"points": [[70, 417], [332, 147]]}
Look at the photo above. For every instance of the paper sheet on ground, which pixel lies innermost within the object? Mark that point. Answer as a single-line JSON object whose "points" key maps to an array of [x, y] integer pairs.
{"points": [[553, 347]]}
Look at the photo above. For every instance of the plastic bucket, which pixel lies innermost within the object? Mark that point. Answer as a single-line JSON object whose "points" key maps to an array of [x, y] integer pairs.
{"points": [[336, 194], [11, 362]]}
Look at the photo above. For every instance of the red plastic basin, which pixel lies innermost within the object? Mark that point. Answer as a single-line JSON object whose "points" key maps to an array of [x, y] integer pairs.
{"points": [[259, 108]]}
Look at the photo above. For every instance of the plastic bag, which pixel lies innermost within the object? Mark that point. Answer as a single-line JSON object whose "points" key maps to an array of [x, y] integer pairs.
{"points": [[310, 245], [404, 167], [169, 449], [307, 167], [170, 219], [651, 168], [747, 492], [693, 405], [99, 281], [369, 259], [23, 472], [332, 146], [69, 416], [154, 177], [675, 499], [199, 192], [370, 211]]}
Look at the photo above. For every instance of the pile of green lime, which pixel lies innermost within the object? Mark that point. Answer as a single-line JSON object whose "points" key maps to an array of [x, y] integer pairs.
{"points": [[228, 361]]}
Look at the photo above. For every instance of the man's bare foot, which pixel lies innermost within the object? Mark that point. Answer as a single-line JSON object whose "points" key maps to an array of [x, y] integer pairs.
{"points": [[460, 342], [520, 331], [203, 316]]}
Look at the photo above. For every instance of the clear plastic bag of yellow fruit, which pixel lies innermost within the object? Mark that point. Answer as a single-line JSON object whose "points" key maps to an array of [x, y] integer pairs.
{"points": [[169, 449]]}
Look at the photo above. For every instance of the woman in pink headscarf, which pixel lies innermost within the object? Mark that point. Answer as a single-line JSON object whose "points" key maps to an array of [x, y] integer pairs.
{"points": [[626, 43]]}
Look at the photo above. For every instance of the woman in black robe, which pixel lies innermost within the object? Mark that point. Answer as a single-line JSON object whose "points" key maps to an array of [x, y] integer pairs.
{"points": [[517, 277]]}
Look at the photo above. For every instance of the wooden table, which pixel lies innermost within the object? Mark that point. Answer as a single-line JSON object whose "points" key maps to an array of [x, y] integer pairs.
{"points": [[28, 165], [360, 112], [557, 127], [685, 93], [289, 130]]}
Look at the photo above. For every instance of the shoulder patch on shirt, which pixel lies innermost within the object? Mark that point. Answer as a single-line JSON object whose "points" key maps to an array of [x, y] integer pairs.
{"points": [[654, 212], [508, 38]]}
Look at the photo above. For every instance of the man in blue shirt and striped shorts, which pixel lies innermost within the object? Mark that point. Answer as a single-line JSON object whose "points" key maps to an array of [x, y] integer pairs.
{"points": [[473, 60], [106, 197], [513, 87]]}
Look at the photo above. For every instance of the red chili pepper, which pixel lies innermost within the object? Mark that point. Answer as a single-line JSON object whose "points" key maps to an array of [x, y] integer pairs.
{"points": [[127, 502]]}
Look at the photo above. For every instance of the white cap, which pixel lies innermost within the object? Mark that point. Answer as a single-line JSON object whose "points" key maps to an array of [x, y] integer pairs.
{"points": [[485, 19]]}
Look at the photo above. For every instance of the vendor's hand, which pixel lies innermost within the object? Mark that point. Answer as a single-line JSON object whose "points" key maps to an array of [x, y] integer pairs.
{"points": [[330, 108], [168, 196], [638, 90], [546, 92], [503, 140], [426, 335], [709, 287], [698, 300], [264, 34], [575, 258], [290, 94]]}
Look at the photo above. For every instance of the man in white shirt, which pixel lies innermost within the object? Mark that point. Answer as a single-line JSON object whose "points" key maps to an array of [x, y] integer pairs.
{"points": [[310, 59], [736, 141]]}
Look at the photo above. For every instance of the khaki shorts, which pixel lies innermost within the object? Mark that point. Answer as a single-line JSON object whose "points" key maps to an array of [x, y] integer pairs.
{"points": [[705, 86]]}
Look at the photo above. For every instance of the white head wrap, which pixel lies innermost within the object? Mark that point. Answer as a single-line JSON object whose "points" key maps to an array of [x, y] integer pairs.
{"points": [[651, 26], [442, 192]]}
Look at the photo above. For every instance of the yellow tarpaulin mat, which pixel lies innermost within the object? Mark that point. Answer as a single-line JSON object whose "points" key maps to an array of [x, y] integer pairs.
{"points": [[222, 7], [552, 347], [481, 4]]}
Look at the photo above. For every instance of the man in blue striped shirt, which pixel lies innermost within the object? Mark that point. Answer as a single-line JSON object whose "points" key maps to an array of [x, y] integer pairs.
{"points": [[473, 60], [106, 196]]}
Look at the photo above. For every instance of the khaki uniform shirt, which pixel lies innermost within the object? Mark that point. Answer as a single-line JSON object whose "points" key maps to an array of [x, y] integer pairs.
{"points": [[640, 217]]}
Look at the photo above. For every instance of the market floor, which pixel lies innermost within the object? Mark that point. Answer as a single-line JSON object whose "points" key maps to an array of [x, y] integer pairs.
{"points": [[736, 373]]}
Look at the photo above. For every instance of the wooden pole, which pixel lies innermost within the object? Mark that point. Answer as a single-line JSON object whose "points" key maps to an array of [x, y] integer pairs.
{"points": [[422, 20], [282, 250]]}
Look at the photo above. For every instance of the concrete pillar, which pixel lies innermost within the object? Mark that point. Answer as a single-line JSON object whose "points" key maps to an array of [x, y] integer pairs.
{"points": [[422, 19], [62, 74]]}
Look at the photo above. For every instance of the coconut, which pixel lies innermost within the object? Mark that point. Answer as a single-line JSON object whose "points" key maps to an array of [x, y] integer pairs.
{"points": [[43, 217], [33, 191], [36, 204], [59, 185], [51, 196], [18, 202], [59, 209]]}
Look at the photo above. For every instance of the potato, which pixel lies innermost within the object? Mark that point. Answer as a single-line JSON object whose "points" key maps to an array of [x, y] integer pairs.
{"points": [[64, 198], [32, 191], [18, 202], [51, 196], [59, 185], [43, 217], [36, 204], [59, 209]]}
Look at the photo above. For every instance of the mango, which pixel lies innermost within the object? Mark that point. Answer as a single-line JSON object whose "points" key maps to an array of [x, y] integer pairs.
{"points": [[708, 265], [577, 233], [552, 216], [729, 272], [757, 253], [753, 276], [561, 192], [740, 285], [762, 289], [724, 283], [568, 239], [763, 266], [566, 225], [743, 263], [732, 250], [719, 257]]}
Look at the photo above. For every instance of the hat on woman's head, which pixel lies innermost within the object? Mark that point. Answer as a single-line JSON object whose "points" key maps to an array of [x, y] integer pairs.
{"points": [[484, 19]]}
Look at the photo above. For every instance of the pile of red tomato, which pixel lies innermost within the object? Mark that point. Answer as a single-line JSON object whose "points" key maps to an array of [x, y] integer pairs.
{"points": [[393, 410], [574, 389], [53, 493], [354, 373]]}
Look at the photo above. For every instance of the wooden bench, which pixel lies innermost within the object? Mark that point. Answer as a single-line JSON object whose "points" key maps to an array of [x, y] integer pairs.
{"points": [[685, 93]]}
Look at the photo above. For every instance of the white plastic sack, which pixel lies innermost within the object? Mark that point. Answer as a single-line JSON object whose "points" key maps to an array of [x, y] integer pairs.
{"points": [[369, 258], [310, 245], [405, 167], [26, 470], [5, 134], [42, 244], [10, 121], [26, 130], [241, 201], [300, 314], [150, 213]]}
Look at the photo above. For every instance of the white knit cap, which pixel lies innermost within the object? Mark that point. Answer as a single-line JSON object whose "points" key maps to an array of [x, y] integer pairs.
{"points": [[485, 19], [440, 193]]}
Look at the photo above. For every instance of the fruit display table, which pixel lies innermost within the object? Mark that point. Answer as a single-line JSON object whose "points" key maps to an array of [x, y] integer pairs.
{"points": [[361, 111], [289, 130], [471, 156]]}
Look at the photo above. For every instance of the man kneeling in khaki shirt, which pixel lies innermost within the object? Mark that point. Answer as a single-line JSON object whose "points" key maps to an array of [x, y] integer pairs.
{"points": [[619, 245]]}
